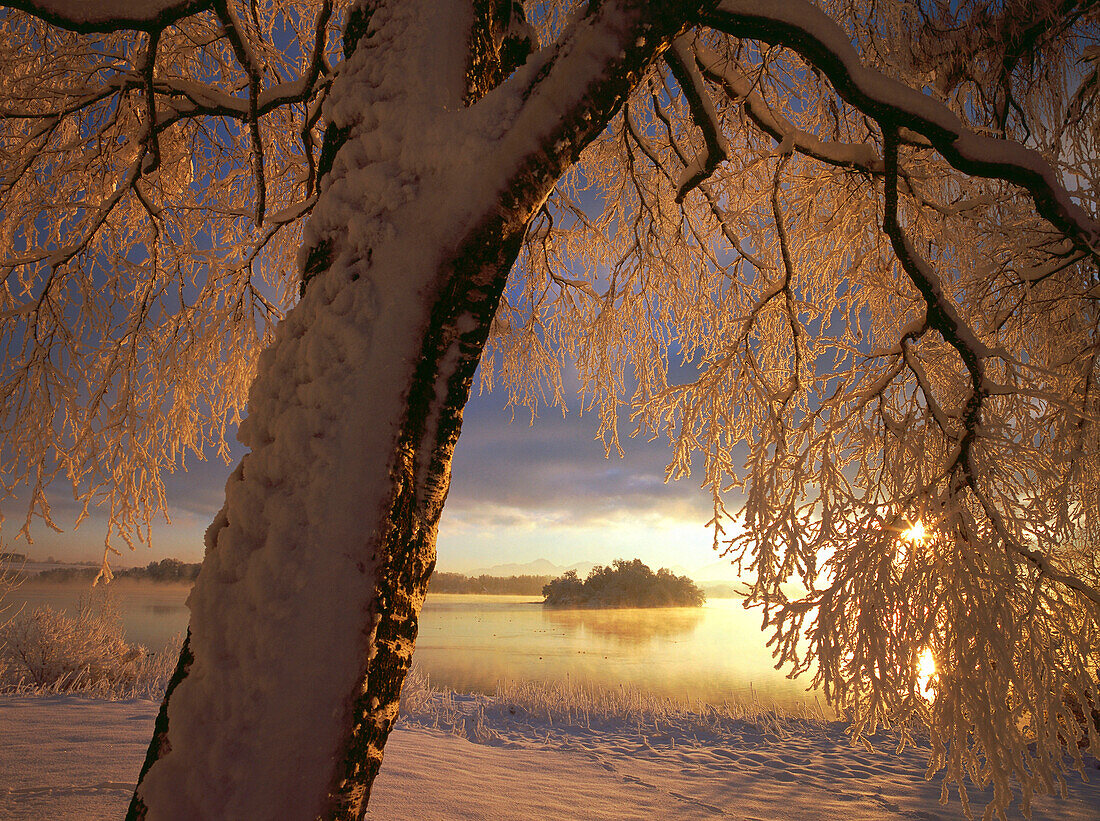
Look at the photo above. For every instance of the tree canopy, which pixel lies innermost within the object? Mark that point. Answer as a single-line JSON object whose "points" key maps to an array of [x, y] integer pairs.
{"points": [[843, 257]]}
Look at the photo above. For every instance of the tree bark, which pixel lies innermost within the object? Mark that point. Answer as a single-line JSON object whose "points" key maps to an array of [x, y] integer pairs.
{"points": [[328, 535]]}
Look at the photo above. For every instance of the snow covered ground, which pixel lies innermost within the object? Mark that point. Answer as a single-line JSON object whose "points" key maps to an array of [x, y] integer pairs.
{"points": [[471, 757]]}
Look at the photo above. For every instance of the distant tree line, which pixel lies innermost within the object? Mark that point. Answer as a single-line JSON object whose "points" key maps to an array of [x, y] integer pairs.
{"points": [[173, 570], [166, 570], [623, 584], [498, 585]]}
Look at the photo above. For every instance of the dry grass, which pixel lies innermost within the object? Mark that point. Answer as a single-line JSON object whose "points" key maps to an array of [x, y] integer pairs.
{"points": [[572, 706]]}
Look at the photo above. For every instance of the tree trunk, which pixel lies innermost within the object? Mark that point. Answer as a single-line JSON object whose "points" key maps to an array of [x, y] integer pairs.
{"points": [[304, 616]]}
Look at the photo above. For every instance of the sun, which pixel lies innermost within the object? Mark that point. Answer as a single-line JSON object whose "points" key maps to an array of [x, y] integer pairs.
{"points": [[915, 534], [926, 669]]}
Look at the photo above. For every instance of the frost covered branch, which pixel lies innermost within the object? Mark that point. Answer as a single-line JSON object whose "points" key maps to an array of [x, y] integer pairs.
{"points": [[813, 34], [943, 368], [944, 317], [146, 134]]}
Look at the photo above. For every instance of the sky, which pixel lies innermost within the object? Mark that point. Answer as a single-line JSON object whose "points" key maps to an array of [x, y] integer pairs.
{"points": [[519, 492]]}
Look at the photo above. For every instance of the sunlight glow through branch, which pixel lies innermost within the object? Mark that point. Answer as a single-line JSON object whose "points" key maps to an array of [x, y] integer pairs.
{"points": [[915, 534], [926, 669]]}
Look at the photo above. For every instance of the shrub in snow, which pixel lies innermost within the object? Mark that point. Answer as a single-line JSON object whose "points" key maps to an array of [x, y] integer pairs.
{"points": [[45, 649]]}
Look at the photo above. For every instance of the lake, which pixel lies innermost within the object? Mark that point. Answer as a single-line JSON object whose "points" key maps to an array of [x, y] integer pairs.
{"points": [[715, 653]]}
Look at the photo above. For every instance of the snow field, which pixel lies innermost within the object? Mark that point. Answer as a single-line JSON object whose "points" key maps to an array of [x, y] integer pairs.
{"points": [[560, 753]]}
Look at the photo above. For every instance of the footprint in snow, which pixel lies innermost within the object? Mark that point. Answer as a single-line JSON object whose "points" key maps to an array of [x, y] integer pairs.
{"points": [[784, 775], [687, 799], [756, 758], [797, 761], [844, 772]]}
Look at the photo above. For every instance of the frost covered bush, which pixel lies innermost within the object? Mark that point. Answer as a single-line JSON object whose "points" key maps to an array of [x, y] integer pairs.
{"points": [[46, 647], [48, 650]]}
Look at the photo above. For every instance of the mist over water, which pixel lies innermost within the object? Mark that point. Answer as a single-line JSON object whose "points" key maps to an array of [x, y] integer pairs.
{"points": [[469, 643], [713, 653]]}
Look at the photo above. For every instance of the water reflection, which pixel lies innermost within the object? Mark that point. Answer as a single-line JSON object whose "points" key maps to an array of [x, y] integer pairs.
{"points": [[633, 627], [470, 643], [715, 653], [163, 609]]}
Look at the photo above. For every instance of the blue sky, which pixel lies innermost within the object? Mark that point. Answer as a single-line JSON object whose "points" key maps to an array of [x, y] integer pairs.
{"points": [[519, 492]]}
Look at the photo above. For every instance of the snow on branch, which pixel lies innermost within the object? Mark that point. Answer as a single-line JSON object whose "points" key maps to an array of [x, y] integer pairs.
{"points": [[739, 87], [804, 28], [88, 16], [681, 59]]}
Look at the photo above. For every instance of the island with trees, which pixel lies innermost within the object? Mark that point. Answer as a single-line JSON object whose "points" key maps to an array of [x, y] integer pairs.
{"points": [[623, 584]]}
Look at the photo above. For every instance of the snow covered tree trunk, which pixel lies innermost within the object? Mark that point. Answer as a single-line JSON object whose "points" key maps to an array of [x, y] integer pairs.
{"points": [[304, 617]]}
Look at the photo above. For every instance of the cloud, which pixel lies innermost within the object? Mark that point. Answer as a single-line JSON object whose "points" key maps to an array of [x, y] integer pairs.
{"points": [[553, 474], [490, 516]]}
